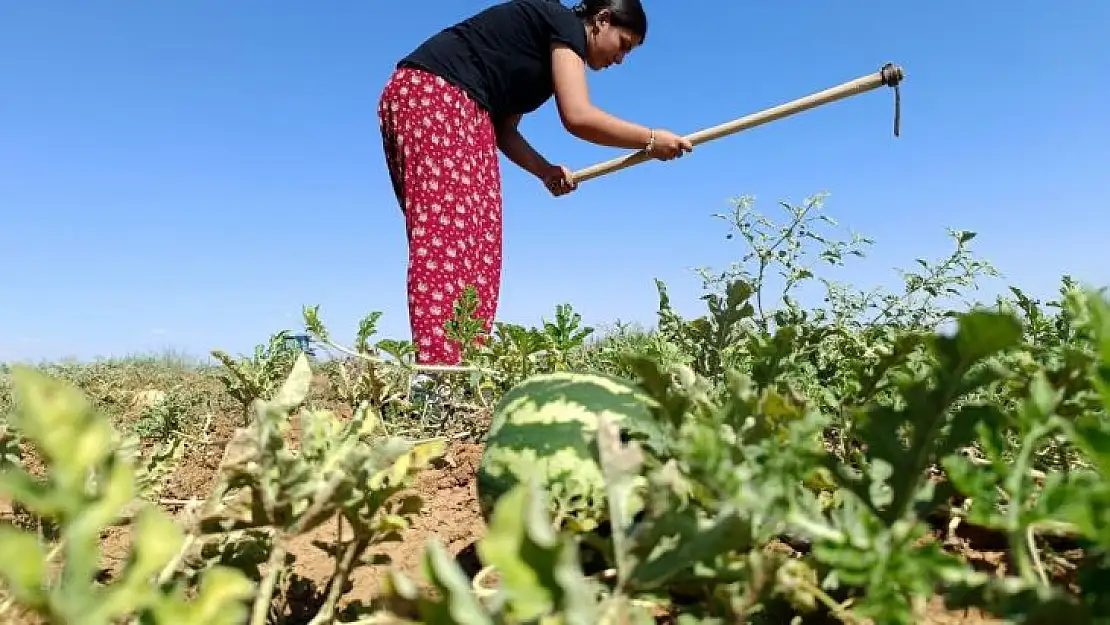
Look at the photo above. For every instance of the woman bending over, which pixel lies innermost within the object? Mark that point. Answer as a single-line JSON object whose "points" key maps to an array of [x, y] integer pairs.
{"points": [[455, 101]]}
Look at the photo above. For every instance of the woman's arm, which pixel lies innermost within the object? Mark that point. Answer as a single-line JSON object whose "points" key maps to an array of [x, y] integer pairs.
{"points": [[513, 145], [579, 116]]}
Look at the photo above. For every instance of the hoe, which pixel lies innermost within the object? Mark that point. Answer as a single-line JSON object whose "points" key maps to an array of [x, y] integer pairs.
{"points": [[890, 75]]}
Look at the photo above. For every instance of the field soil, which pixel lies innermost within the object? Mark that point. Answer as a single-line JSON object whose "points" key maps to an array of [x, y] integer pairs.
{"points": [[450, 515]]}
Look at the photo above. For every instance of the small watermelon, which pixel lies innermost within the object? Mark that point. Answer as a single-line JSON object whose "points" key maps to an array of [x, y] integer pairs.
{"points": [[546, 428]]}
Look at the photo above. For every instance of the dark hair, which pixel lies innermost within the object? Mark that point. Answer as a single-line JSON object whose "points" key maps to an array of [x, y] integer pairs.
{"points": [[626, 13]]}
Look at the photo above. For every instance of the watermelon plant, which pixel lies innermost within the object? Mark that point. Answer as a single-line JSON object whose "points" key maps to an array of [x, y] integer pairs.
{"points": [[747, 466], [90, 484]]}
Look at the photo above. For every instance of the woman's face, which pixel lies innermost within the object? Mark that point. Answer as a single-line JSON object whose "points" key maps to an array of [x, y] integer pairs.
{"points": [[607, 43]]}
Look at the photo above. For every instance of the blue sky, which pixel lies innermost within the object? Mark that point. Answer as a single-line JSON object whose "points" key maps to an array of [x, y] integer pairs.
{"points": [[160, 162]]}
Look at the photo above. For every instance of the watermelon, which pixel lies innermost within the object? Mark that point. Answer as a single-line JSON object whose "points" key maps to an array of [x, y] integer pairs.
{"points": [[545, 428]]}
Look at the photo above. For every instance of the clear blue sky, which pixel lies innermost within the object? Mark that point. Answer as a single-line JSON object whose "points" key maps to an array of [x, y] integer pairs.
{"points": [[188, 174]]}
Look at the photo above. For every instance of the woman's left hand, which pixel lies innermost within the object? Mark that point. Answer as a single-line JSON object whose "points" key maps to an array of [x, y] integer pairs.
{"points": [[558, 180]]}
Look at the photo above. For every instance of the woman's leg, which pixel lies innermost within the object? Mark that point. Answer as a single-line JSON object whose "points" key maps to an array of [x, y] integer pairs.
{"points": [[442, 154]]}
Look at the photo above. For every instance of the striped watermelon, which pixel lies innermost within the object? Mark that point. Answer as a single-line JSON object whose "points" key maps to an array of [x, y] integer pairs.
{"points": [[546, 427]]}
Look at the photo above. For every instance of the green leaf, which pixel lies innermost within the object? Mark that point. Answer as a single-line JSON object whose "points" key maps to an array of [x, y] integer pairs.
{"points": [[157, 541], [691, 543], [221, 600], [981, 334], [965, 236], [25, 568], [620, 466], [296, 386], [538, 568], [459, 606], [522, 547]]}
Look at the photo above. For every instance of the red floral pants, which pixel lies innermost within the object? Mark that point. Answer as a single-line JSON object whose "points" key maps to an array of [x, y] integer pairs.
{"points": [[442, 155]]}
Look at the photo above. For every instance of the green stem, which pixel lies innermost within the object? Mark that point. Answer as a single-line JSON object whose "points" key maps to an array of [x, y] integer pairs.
{"points": [[838, 610], [1023, 548], [814, 529], [261, 608], [1031, 543], [343, 568]]}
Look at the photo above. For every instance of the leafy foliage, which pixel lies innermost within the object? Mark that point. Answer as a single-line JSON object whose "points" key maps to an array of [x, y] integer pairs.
{"points": [[813, 460], [88, 486]]}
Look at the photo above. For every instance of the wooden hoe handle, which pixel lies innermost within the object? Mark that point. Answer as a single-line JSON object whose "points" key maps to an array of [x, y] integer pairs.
{"points": [[890, 75]]}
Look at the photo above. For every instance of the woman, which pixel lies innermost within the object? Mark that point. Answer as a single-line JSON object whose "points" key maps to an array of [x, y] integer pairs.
{"points": [[456, 100]]}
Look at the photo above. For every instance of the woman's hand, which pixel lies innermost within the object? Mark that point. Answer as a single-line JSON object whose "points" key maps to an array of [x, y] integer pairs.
{"points": [[558, 180], [667, 145]]}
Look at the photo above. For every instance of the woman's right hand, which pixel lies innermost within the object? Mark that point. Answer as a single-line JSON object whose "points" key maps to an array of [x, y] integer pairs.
{"points": [[668, 145]]}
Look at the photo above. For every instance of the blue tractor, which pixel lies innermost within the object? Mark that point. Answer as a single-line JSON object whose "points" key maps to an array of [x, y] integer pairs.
{"points": [[303, 343]]}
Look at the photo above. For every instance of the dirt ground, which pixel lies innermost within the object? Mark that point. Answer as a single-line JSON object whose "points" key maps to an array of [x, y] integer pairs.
{"points": [[450, 514]]}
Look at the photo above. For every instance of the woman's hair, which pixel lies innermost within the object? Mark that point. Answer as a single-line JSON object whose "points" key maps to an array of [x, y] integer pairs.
{"points": [[626, 13]]}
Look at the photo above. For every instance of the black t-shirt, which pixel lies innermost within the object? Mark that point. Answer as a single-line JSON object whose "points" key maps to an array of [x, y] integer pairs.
{"points": [[502, 56]]}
